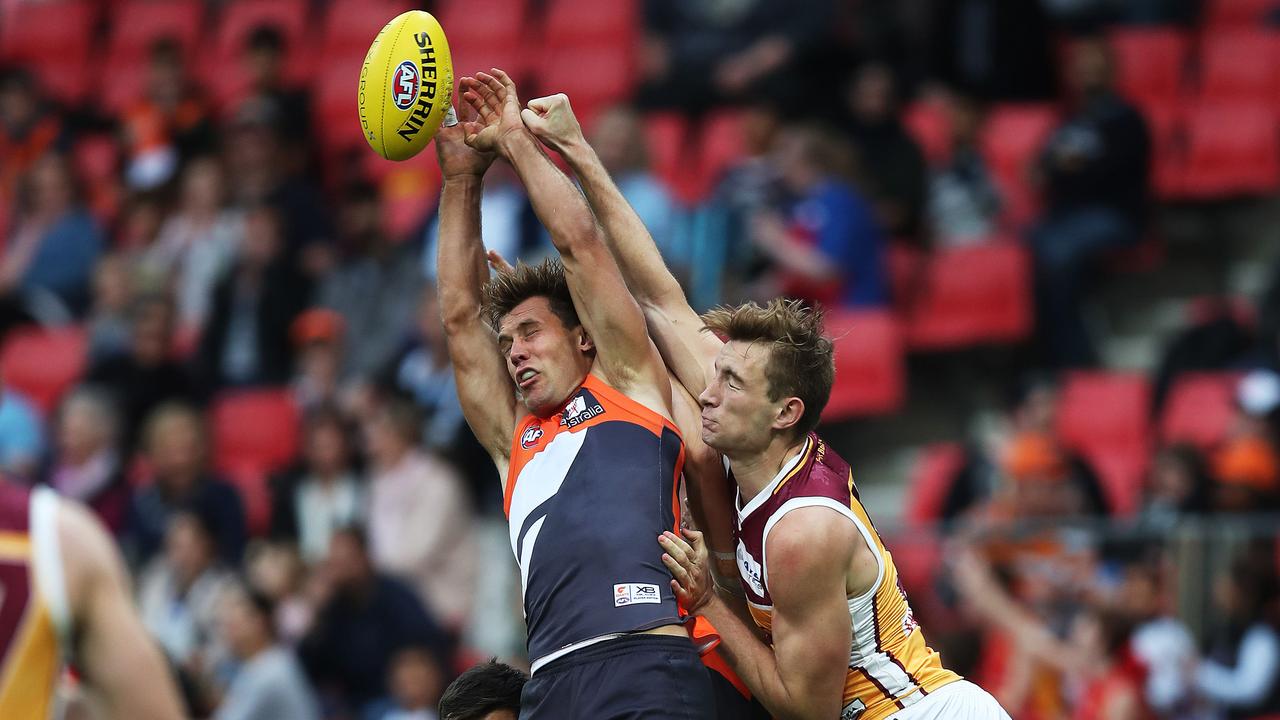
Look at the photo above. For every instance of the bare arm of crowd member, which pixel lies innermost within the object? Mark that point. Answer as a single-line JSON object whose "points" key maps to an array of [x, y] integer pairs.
{"points": [[124, 672]]}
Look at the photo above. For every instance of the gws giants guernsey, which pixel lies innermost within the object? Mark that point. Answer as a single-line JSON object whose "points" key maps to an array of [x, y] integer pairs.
{"points": [[589, 490], [890, 667]]}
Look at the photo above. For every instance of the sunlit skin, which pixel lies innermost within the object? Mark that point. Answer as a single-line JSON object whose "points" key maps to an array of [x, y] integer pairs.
{"points": [[738, 418], [546, 360]]}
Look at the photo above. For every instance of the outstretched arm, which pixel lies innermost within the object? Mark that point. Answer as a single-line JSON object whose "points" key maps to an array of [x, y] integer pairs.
{"points": [[608, 312], [484, 387], [675, 327]]}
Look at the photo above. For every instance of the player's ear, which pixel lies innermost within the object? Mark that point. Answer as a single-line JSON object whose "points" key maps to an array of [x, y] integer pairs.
{"points": [[789, 414], [585, 343]]}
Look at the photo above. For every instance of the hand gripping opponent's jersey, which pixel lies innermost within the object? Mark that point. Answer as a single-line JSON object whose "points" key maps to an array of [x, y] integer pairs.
{"points": [[890, 667], [33, 611], [589, 490]]}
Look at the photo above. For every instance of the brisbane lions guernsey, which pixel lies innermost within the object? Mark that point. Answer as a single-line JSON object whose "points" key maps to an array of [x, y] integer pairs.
{"points": [[33, 609], [589, 490], [890, 667]]}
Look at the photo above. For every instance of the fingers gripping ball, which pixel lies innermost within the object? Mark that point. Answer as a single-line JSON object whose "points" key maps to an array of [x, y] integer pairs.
{"points": [[406, 85]]}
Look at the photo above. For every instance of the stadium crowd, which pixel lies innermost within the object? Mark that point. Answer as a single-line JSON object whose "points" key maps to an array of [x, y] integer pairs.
{"points": [[221, 333]]}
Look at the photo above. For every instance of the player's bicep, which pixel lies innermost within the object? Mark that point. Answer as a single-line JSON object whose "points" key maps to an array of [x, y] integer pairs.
{"points": [[484, 388]]}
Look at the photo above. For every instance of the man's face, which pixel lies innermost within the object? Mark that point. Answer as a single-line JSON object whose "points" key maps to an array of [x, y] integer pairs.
{"points": [[545, 360], [737, 414]]}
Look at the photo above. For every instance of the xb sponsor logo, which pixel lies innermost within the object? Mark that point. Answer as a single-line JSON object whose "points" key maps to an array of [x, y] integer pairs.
{"points": [[404, 85], [530, 437]]}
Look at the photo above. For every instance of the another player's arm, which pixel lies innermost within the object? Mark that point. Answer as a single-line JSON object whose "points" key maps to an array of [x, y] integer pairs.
{"points": [[706, 485], [123, 670], [673, 324], [802, 675], [484, 387], [607, 309]]}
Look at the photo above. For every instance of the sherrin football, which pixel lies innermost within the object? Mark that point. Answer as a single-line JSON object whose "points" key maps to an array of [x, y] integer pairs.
{"points": [[406, 85]]}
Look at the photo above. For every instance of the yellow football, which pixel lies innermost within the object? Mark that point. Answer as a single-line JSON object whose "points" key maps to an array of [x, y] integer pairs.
{"points": [[406, 85]]}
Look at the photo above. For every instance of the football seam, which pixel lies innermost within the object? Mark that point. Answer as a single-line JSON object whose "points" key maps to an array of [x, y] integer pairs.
{"points": [[386, 78]]}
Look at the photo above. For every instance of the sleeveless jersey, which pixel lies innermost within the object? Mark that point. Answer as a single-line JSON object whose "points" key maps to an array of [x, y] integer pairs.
{"points": [[33, 610], [589, 490], [890, 667]]}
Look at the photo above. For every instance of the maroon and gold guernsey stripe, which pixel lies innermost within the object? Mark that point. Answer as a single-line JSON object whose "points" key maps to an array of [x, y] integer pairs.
{"points": [[29, 653]]}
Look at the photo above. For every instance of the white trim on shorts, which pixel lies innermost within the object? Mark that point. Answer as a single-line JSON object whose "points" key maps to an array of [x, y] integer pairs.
{"points": [[959, 700]]}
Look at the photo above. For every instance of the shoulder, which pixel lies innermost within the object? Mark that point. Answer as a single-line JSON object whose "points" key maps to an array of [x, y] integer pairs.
{"points": [[814, 539]]}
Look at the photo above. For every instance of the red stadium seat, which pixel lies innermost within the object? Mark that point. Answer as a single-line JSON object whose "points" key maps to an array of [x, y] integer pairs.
{"points": [[1240, 67], [929, 124], [1149, 64], [43, 363], [1231, 150], [254, 429], [722, 147], [1166, 123], [251, 483], [351, 25], [1104, 417], [484, 34], [223, 68], [931, 480], [971, 295], [408, 195], [870, 372], [1011, 140], [593, 77], [54, 39], [1239, 13], [592, 22], [665, 134], [137, 24], [1199, 409], [335, 104]]}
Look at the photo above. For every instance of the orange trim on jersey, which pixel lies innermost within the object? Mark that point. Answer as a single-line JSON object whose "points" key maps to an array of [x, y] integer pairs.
{"points": [[617, 407], [31, 668], [14, 546]]}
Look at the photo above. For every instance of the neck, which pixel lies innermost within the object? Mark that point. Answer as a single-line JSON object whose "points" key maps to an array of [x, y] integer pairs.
{"points": [[754, 470]]}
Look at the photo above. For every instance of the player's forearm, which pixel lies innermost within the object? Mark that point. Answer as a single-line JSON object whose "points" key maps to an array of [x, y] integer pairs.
{"points": [[629, 240], [561, 209], [460, 261], [756, 664]]}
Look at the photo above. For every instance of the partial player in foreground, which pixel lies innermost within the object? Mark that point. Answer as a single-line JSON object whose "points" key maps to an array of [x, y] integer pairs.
{"points": [[841, 637], [488, 691], [559, 381], [64, 596]]}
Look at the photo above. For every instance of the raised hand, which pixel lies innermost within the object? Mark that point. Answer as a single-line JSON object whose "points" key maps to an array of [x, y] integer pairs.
{"points": [[493, 97], [457, 158], [552, 121], [689, 567]]}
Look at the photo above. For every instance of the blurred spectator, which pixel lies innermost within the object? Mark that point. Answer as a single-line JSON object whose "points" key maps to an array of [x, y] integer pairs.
{"points": [[325, 493], [88, 466], [1112, 686], [197, 243], [701, 53], [997, 51], [510, 227], [1177, 486], [888, 158], [1269, 322], [1247, 475], [828, 248], [29, 131], [138, 225], [48, 262], [415, 683], [964, 203], [246, 338], [420, 521], [269, 683], [109, 331], [1217, 342], [618, 137], [1160, 643], [1096, 191], [288, 105], [376, 289], [275, 570], [146, 375], [176, 457], [169, 124], [421, 371], [179, 592], [364, 620], [317, 336], [1242, 669], [753, 184], [21, 434], [488, 691]]}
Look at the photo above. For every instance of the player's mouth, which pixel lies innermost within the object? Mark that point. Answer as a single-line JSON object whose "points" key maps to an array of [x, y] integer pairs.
{"points": [[526, 377]]}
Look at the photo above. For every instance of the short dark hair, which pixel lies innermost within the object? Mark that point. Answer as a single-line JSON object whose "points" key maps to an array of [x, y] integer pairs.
{"points": [[263, 606], [265, 37], [481, 690], [801, 361], [546, 279]]}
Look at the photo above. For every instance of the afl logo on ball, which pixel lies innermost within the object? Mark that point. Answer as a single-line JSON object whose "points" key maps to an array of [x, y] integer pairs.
{"points": [[404, 85], [530, 437]]}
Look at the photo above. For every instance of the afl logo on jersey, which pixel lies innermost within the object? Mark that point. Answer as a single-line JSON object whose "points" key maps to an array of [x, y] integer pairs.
{"points": [[404, 85], [531, 437]]}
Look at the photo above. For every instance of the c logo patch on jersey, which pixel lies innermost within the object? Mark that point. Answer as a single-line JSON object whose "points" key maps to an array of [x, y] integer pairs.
{"points": [[531, 437]]}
